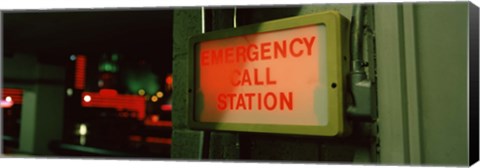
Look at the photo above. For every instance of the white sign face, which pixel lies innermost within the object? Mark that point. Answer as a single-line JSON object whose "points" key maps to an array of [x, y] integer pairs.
{"points": [[274, 78]]}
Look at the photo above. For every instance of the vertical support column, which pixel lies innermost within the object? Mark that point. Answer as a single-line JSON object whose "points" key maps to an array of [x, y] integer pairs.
{"points": [[412, 89], [49, 106], [186, 144], [27, 127], [2, 52], [392, 105], [42, 111]]}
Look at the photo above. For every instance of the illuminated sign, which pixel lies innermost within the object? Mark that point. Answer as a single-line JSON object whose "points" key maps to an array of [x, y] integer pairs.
{"points": [[284, 76], [108, 98]]}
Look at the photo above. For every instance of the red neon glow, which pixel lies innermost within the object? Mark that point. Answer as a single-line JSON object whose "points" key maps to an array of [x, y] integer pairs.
{"points": [[169, 80], [15, 94], [119, 102], [158, 123], [166, 107], [155, 118], [136, 138], [80, 72], [108, 92], [158, 140]]}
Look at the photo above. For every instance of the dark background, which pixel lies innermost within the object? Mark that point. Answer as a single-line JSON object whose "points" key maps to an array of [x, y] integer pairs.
{"points": [[54, 35]]}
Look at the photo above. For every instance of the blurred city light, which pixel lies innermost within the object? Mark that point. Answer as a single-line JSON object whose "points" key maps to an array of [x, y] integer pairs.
{"points": [[83, 129], [8, 99], [87, 98], [141, 92], [154, 98], [159, 94], [69, 91], [72, 57]]}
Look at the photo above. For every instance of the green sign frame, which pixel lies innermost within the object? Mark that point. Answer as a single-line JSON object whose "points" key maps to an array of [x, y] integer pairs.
{"points": [[337, 62]]}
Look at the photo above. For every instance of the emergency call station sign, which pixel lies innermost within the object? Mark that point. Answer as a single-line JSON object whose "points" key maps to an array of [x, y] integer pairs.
{"points": [[279, 80]]}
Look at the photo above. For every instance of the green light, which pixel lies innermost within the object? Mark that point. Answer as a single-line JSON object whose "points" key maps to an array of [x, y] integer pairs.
{"points": [[114, 57], [146, 81], [108, 67]]}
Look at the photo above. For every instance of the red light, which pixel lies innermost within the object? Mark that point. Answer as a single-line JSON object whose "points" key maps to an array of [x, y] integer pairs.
{"points": [[158, 123], [159, 140], [16, 95], [166, 107], [169, 80], [155, 118], [80, 72], [119, 102], [136, 138], [108, 92]]}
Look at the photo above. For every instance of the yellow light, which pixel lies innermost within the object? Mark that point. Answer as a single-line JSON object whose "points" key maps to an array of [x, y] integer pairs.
{"points": [[141, 92], [154, 99], [159, 94], [83, 129]]}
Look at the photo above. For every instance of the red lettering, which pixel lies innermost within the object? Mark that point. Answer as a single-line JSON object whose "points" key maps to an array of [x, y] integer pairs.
{"points": [[240, 102], [241, 53], [246, 78], [271, 101], [309, 44], [251, 53], [259, 100], [280, 49], [217, 57], [229, 55], [233, 78], [204, 57], [269, 81], [221, 102], [255, 74], [286, 101], [231, 96], [249, 96], [273, 98], [296, 54], [264, 49]]}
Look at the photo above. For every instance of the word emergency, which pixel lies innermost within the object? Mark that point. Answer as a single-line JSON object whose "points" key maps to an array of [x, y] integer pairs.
{"points": [[295, 47]]}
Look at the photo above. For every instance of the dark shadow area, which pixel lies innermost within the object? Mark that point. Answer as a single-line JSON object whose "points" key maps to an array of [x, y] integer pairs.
{"points": [[96, 83]]}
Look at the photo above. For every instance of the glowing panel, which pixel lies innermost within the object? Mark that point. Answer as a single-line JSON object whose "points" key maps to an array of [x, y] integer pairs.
{"points": [[119, 102], [283, 76], [158, 123], [158, 140], [108, 92], [166, 107], [137, 138], [14, 94], [80, 68]]}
